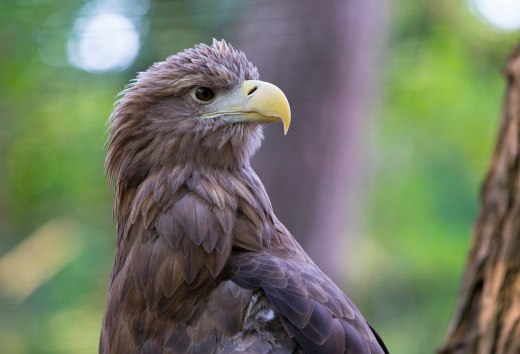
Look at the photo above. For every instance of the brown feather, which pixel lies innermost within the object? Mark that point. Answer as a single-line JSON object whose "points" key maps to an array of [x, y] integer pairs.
{"points": [[202, 265]]}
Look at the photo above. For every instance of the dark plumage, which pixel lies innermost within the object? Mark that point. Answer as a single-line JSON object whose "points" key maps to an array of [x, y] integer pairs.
{"points": [[202, 264]]}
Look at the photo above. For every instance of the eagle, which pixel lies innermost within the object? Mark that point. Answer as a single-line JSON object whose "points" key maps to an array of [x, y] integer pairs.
{"points": [[202, 264]]}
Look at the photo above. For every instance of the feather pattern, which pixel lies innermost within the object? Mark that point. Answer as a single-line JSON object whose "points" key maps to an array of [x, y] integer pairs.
{"points": [[202, 265]]}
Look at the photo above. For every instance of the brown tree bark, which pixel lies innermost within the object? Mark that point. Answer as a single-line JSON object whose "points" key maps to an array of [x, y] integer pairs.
{"points": [[487, 317], [324, 55]]}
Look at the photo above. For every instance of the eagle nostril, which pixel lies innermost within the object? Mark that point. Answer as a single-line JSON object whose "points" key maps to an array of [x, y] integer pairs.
{"points": [[253, 89]]}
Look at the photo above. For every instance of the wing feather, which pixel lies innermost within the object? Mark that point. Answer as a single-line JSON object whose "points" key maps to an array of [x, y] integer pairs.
{"points": [[313, 309]]}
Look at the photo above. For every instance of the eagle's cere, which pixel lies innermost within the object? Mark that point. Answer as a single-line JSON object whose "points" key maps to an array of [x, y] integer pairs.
{"points": [[202, 264]]}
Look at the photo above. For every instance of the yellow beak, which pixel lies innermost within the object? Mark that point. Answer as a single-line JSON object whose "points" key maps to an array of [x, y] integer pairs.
{"points": [[256, 101]]}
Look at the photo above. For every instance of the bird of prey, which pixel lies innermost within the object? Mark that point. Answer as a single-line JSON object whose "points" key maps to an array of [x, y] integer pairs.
{"points": [[202, 264]]}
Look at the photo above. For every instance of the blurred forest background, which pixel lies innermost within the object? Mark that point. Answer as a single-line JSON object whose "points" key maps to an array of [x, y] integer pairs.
{"points": [[395, 112]]}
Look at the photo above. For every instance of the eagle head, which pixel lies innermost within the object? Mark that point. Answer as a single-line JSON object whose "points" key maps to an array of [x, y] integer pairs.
{"points": [[202, 106]]}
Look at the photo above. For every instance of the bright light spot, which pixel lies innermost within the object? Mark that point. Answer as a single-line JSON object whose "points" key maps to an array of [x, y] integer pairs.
{"points": [[502, 14], [104, 42]]}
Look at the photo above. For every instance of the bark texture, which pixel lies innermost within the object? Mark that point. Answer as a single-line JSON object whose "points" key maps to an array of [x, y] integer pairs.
{"points": [[487, 317]]}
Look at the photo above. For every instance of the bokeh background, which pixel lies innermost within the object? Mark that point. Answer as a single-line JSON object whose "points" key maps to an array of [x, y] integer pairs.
{"points": [[396, 106]]}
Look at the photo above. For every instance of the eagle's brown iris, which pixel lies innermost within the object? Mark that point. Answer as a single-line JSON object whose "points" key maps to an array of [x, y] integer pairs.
{"points": [[204, 94]]}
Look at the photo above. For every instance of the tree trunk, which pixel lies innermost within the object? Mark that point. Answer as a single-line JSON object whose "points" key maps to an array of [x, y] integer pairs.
{"points": [[487, 317], [323, 54]]}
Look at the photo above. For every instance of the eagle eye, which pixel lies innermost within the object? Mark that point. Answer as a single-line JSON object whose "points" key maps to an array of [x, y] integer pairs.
{"points": [[204, 94]]}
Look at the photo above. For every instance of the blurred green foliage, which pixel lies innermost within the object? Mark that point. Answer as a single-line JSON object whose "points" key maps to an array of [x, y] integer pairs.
{"points": [[430, 147]]}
